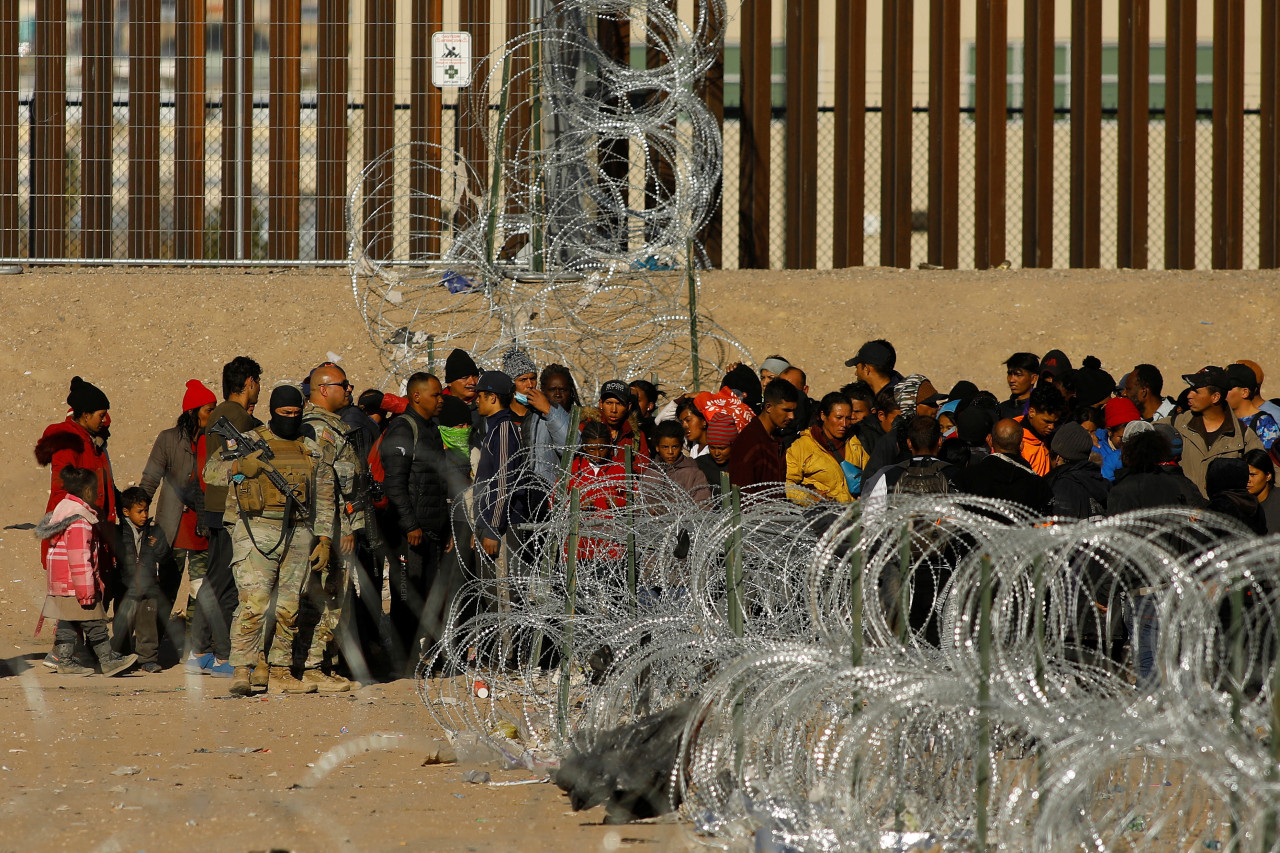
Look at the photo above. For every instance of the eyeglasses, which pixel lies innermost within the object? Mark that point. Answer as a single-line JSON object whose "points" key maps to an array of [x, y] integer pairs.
{"points": [[344, 384]]}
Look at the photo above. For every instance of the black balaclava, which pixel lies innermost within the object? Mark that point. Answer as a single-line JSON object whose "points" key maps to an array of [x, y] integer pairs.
{"points": [[283, 396]]}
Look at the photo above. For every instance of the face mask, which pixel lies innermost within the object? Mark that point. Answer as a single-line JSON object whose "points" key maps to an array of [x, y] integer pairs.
{"points": [[286, 427], [522, 399], [456, 439]]}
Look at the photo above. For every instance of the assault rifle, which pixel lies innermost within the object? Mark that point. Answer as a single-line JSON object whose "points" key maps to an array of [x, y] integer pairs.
{"points": [[241, 444]]}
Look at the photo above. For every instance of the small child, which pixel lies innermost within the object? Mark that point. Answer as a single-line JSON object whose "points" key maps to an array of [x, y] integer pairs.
{"points": [[139, 551], [76, 584], [721, 432], [601, 484], [671, 461]]}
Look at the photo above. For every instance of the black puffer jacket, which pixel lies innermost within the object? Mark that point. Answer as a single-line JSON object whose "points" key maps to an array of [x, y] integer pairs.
{"points": [[1079, 490], [417, 475]]}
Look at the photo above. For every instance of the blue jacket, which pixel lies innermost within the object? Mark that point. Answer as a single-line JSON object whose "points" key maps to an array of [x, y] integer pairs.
{"points": [[1110, 458], [547, 435], [497, 477]]}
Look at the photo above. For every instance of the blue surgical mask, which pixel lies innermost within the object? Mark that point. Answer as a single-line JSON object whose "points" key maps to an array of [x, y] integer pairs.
{"points": [[522, 399]]}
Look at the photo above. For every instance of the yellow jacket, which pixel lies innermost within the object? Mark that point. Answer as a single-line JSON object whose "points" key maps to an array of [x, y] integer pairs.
{"points": [[809, 465]]}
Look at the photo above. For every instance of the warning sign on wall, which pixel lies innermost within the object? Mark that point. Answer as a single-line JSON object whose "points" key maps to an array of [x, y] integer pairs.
{"points": [[450, 59]]}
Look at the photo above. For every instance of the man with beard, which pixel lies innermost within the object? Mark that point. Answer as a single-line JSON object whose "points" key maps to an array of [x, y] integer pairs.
{"points": [[277, 538], [217, 600]]}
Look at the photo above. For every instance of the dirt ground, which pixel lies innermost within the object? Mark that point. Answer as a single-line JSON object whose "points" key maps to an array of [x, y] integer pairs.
{"points": [[140, 334]]}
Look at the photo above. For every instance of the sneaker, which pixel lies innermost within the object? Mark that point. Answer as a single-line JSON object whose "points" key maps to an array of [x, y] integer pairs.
{"points": [[151, 667], [200, 664], [71, 667], [326, 683], [50, 661], [221, 669]]}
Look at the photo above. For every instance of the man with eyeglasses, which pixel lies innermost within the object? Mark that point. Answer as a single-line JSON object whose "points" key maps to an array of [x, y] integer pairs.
{"points": [[329, 393]]}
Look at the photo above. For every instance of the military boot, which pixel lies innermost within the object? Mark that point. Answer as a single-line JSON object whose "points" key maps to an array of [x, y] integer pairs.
{"points": [[282, 681], [326, 683], [240, 678], [113, 663], [261, 676], [65, 661]]}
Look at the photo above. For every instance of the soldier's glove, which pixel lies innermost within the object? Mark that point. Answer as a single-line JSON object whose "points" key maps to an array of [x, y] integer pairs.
{"points": [[320, 556], [253, 464]]}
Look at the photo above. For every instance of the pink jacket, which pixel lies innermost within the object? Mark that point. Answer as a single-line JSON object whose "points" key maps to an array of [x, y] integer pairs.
{"points": [[72, 559]]}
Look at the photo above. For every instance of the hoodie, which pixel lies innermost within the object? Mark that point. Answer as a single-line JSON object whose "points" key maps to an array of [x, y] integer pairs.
{"points": [[1079, 490], [686, 474]]}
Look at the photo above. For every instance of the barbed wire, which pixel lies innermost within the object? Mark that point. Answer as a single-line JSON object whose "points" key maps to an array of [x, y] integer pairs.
{"points": [[946, 666], [567, 248]]}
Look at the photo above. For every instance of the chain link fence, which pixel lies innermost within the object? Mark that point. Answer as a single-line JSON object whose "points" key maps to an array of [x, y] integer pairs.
{"points": [[57, 215], [1013, 189]]}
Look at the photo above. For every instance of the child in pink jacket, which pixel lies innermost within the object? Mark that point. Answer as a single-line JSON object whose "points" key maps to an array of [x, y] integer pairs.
{"points": [[76, 586]]}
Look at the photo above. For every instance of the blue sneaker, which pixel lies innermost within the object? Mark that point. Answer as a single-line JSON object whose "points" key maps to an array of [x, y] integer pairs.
{"points": [[197, 664], [220, 669]]}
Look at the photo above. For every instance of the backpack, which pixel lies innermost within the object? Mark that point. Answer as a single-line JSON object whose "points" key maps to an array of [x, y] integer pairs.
{"points": [[378, 474], [923, 479]]}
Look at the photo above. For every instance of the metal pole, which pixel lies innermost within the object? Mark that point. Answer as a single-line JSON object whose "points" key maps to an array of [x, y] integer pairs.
{"points": [[631, 527], [855, 602], [982, 768], [693, 319], [239, 89], [571, 586]]}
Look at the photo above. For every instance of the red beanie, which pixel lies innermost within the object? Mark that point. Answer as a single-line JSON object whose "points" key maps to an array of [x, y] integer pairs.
{"points": [[721, 430], [1120, 411], [197, 395]]}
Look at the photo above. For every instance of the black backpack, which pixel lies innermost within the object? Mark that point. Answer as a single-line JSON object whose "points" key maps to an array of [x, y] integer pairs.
{"points": [[926, 478]]}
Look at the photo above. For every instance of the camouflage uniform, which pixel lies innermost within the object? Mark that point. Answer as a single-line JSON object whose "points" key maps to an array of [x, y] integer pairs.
{"points": [[270, 556], [326, 593]]}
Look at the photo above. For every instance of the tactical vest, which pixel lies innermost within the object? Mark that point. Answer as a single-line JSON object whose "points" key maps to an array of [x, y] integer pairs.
{"points": [[259, 496]]}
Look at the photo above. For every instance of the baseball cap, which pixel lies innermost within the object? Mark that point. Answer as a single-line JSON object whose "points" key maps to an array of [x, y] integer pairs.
{"points": [[875, 354], [1209, 375], [1239, 376], [496, 382], [1055, 362], [1254, 366], [617, 389]]}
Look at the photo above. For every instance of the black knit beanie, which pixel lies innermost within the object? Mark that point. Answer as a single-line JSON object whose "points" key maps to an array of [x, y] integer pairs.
{"points": [[744, 379], [86, 397], [458, 365]]}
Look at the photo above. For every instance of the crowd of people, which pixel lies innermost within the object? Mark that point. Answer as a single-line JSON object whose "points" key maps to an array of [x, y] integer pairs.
{"points": [[288, 520]]}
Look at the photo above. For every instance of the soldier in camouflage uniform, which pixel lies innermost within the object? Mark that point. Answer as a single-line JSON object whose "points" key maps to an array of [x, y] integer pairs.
{"points": [[325, 594], [275, 544]]}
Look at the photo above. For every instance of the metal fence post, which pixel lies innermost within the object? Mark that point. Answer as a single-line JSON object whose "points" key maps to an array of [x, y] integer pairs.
{"points": [[695, 361], [991, 117], [982, 760], [571, 593]]}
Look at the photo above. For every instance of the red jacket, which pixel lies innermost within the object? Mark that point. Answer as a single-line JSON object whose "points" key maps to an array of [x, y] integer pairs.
{"points": [[597, 484], [72, 557], [68, 443]]}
